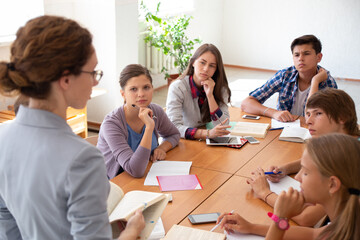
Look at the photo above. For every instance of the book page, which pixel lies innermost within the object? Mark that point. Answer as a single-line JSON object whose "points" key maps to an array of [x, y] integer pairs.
{"points": [[236, 236], [133, 201], [284, 185], [151, 216], [166, 168], [115, 195], [158, 232], [250, 129], [299, 134], [178, 232], [277, 124]]}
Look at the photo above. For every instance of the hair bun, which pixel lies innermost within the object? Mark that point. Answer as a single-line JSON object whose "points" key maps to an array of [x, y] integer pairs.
{"points": [[11, 66]]}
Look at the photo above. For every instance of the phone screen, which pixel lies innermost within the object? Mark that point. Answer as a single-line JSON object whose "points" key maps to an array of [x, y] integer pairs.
{"points": [[251, 117], [203, 218]]}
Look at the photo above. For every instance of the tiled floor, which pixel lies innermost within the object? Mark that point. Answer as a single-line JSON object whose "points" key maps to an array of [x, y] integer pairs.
{"points": [[243, 81]]}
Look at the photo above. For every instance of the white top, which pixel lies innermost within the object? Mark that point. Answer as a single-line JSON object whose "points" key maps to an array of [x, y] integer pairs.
{"points": [[299, 102], [183, 110]]}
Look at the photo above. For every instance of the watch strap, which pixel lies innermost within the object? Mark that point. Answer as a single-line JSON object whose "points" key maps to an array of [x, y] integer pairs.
{"points": [[281, 223]]}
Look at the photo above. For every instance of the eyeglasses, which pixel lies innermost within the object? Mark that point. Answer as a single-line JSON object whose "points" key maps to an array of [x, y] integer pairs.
{"points": [[97, 74]]}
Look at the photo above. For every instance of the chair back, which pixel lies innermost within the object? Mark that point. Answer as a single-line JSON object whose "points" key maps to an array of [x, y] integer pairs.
{"points": [[92, 140]]}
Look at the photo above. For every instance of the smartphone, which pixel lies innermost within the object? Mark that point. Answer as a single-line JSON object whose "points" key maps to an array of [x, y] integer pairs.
{"points": [[252, 140], [251, 117], [204, 218]]}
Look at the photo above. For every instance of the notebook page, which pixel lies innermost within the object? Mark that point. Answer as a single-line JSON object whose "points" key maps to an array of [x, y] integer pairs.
{"points": [[284, 185], [277, 124]]}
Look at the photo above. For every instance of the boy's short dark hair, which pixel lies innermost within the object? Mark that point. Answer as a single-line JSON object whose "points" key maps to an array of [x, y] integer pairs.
{"points": [[307, 39]]}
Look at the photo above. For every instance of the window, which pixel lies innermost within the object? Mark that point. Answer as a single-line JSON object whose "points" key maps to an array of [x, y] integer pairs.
{"points": [[14, 14]]}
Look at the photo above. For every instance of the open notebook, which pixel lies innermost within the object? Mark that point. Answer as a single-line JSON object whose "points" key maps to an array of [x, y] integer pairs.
{"points": [[294, 134]]}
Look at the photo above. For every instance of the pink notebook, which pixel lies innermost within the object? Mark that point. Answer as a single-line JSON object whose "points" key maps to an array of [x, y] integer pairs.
{"points": [[179, 182]]}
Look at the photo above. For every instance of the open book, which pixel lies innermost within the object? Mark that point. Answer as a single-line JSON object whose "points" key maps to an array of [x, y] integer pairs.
{"points": [[296, 134], [178, 232], [121, 207], [258, 130]]}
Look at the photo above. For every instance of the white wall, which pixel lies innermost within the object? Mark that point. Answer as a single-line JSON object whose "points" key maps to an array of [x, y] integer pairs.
{"points": [[258, 33], [207, 22], [253, 33], [114, 26]]}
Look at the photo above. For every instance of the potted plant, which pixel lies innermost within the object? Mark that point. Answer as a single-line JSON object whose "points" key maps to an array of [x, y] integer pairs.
{"points": [[167, 34]]}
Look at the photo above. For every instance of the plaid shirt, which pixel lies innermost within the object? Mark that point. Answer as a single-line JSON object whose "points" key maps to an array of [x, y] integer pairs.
{"points": [[195, 93], [285, 82]]}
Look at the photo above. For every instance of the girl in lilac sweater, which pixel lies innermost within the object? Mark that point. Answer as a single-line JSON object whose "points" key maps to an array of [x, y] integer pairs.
{"points": [[128, 136]]}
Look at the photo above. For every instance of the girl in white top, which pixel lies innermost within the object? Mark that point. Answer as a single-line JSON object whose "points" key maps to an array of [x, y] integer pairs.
{"points": [[200, 95]]}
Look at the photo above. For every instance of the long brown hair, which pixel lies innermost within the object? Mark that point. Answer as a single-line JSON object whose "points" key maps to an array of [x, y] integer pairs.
{"points": [[338, 106], [339, 155], [219, 77], [45, 49]]}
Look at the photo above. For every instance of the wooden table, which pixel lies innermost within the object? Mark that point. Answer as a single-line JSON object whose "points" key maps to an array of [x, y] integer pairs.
{"points": [[276, 153], [221, 171], [235, 195], [220, 158], [184, 202]]}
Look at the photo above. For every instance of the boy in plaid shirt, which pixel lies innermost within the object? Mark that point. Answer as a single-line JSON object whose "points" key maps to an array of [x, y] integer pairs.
{"points": [[294, 84]]}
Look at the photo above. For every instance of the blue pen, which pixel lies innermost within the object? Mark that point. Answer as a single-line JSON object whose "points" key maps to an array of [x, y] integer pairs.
{"points": [[276, 128], [269, 173]]}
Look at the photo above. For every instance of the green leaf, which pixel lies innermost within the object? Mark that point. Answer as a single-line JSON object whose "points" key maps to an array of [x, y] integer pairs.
{"points": [[168, 35]]}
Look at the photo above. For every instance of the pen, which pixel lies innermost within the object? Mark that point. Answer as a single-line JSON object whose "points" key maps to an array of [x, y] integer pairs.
{"points": [[276, 128], [269, 173], [220, 222], [133, 105]]}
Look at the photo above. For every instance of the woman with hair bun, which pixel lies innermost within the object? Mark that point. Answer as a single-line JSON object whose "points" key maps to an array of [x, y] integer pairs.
{"points": [[53, 183]]}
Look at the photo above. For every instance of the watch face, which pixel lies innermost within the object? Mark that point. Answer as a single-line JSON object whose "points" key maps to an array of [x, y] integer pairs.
{"points": [[283, 224]]}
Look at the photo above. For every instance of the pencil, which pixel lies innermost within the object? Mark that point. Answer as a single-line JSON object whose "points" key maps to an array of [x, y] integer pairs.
{"points": [[220, 222]]}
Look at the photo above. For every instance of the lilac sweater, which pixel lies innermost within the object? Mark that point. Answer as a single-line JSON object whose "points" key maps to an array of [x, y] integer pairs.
{"points": [[113, 142]]}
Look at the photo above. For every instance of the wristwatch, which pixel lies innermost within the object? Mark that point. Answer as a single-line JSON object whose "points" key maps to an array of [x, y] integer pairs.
{"points": [[281, 223]]}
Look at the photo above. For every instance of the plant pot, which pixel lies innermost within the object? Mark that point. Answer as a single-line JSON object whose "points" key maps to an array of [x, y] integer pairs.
{"points": [[172, 78]]}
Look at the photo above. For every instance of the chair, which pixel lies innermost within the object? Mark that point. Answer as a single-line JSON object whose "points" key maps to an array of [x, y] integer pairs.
{"points": [[92, 140]]}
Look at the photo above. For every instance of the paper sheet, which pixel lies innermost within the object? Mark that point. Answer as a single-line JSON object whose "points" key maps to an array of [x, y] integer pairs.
{"points": [[166, 168], [278, 124], [236, 236], [158, 232], [284, 185]]}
